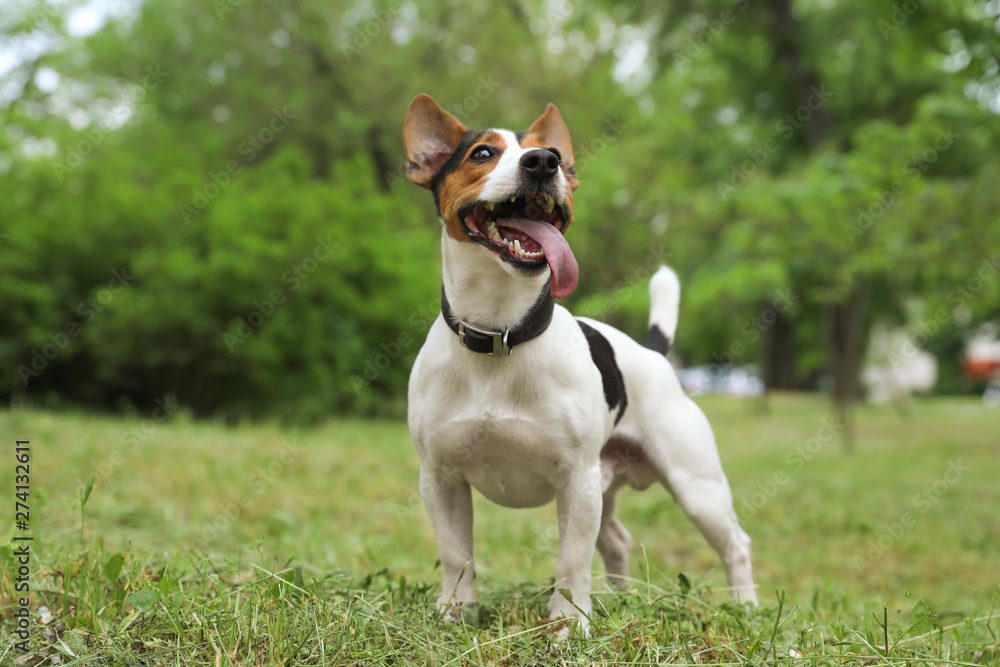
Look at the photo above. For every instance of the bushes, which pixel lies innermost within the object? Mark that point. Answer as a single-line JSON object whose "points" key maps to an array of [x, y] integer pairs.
{"points": [[266, 303]]}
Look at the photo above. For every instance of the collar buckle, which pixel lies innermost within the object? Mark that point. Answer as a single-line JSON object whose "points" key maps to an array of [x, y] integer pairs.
{"points": [[499, 338], [501, 343]]}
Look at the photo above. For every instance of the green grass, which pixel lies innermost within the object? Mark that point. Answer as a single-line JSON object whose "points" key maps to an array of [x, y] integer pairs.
{"points": [[260, 545]]}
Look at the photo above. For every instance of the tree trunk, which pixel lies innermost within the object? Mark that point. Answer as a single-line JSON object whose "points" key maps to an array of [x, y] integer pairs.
{"points": [[805, 81], [778, 364], [379, 159], [843, 329], [843, 322]]}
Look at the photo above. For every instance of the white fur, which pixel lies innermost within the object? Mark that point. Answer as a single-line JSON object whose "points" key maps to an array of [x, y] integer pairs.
{"points": [[503, 181], [530, 428], [665, 300]]}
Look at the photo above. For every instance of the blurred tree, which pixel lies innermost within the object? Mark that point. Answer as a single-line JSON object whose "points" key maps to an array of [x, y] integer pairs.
{"points": [[808, 167], [843, 135]]}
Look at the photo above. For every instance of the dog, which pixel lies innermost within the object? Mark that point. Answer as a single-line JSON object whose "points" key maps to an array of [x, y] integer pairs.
{"points": [[514, 396]]}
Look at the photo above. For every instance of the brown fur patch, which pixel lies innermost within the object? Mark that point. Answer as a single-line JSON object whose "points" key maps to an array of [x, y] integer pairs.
{"points": [[462, 186]]}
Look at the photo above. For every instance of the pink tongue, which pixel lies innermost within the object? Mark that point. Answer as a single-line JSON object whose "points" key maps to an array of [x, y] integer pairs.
{"points": [[565, 270]]}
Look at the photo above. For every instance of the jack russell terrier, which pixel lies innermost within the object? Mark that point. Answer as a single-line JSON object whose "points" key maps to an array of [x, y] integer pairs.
{"points": [[514, 396]]}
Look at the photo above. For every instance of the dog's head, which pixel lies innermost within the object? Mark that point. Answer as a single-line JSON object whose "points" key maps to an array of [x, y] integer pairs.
{"points": [[509, 192]]}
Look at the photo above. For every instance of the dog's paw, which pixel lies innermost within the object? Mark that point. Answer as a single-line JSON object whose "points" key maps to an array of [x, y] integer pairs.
{"points": [[564, 626], [575, 614], [457, 612]]}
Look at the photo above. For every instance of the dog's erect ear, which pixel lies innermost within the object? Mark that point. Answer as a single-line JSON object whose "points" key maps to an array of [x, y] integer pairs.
{"points": [[430, 135], [550, 126]]}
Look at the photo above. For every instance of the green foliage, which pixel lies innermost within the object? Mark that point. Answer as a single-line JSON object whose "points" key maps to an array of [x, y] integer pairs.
{"points": [[268, 301], [192, 154]]}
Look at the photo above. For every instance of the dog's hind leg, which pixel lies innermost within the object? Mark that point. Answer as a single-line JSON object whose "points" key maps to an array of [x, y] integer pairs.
{"points": [[682, 452], [614, 541]]}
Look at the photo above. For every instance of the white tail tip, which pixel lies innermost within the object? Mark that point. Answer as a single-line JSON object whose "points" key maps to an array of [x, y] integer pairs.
{"points": [[665, 302]]}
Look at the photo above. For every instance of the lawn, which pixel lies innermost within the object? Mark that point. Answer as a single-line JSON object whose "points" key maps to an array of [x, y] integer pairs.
{"points": [[201, 544]]}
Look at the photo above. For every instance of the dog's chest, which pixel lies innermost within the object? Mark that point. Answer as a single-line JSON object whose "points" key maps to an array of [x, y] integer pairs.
{"points": [[511, 460], [512, 431], [516, 454]]}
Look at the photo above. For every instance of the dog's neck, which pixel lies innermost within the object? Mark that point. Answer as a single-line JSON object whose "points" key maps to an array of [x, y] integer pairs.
{"points": [[481, 292]]}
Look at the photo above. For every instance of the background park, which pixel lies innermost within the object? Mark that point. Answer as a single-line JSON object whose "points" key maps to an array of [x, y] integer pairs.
{"points": [[214, 278]]}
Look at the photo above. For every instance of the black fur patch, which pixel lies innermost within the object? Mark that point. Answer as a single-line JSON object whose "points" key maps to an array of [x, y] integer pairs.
{"points": [[611, 376], [656, 341], [454, 162]]}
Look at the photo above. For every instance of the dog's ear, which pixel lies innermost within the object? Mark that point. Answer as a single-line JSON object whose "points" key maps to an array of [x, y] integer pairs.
{"points": [[550, 126], [430, 135]]}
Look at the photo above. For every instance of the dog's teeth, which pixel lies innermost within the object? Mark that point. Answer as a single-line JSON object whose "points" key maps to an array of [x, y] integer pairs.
{"points": [[512, 199], [517, 248], [550, 203], [494, 232], [489, 205]]}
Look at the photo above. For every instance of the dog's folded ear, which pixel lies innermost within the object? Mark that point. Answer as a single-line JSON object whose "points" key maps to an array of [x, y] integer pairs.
{"points": [[551, 128], [430, 135]]}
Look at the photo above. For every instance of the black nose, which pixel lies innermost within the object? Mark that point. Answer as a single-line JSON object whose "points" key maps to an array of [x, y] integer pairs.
{"points": [[540, 164]]}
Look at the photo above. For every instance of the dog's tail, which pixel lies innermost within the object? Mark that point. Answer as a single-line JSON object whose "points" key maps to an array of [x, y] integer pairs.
{"points": [[665, 301]]}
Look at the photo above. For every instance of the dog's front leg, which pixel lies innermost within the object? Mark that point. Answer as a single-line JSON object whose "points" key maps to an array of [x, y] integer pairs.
{"points": [[579, 507], [448, 499]]}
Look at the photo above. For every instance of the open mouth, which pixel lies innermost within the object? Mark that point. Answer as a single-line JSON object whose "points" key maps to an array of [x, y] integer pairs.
{"points": [[526, 231], [496, 225]]}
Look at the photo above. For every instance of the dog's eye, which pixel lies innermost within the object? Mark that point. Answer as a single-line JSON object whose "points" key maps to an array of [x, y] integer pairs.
{"points": [[482, 154]]}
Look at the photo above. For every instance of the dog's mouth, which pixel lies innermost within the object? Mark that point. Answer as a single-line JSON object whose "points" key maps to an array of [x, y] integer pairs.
{"points": [[526, 232]]}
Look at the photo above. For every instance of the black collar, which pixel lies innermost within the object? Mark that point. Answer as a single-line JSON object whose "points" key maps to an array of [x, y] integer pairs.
{"points": [[497, 343]]}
